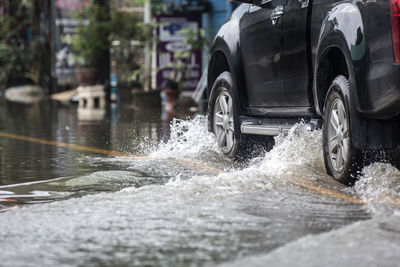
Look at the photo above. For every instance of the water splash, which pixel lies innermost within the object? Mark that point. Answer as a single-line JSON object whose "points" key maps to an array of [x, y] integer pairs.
{"points": [[299, 150], [379, 185], [297, 155], [188, 139], [377, 180]]}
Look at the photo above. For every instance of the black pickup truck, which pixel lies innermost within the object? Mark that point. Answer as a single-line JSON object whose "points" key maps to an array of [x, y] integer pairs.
{"points": [[332, 63]]}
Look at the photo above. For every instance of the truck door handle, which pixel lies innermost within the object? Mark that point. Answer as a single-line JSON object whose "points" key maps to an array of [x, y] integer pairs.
{"points": [[276, 14]]}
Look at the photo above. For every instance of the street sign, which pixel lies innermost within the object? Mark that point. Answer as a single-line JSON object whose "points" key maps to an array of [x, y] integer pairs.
{"points": [[171, 40]]}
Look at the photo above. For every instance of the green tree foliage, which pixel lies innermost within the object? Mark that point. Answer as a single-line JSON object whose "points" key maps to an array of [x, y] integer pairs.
{"points": [[91, 41], [129, 34], [121, 32], [20, 58]]}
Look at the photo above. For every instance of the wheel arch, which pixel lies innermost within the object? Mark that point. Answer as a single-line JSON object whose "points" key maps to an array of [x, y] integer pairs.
{"points": [[224, 58], [218, 64], [341, 44], [332, 63]]}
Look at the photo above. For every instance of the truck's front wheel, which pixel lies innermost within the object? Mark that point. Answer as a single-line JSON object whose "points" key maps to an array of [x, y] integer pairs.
{"points": [[342, 160], [224, 115]]}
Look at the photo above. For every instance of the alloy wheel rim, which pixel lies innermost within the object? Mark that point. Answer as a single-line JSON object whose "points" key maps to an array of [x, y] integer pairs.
{"points": [[223, 122], [338, 136]]}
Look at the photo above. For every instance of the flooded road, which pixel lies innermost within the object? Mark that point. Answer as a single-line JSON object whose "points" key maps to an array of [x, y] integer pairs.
{"points": [[169, 198]]}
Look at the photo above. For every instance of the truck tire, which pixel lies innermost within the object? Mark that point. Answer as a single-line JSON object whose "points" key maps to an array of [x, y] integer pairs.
{"points": [[224, 115], [342, 160]]}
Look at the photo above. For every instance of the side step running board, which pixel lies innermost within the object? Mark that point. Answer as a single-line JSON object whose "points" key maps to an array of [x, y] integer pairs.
{"points": [[273, 129]]}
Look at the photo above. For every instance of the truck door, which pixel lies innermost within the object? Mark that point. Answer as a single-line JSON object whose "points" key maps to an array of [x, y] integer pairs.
{"points": [[261, 52], [294, 57]]}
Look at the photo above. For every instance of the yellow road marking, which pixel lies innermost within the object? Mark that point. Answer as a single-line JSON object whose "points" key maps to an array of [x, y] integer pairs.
{"points": [[71, 146], [104, 151], [303, 183], [324, 191]]}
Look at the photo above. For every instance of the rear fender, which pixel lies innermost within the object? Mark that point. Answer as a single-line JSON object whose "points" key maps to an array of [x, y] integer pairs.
{"points": [[343, 28]]}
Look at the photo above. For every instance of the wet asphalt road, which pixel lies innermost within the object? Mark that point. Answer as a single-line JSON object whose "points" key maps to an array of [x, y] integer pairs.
{"points": [[169, 198]]}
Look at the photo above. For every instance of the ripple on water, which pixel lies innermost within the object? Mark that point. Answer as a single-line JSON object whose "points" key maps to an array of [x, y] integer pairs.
{"points": [[368, 243]]}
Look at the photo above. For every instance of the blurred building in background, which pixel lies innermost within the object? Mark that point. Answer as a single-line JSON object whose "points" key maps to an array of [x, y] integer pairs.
{"points": [[213, 12], [202, 16], [142, 52]]}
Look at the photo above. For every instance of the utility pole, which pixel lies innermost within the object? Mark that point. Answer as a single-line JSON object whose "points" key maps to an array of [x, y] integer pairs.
{"points": [[41, 31], [104, 68], [147, 49]]}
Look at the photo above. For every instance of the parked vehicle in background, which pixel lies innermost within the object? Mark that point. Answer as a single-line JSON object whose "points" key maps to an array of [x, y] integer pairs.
{"points": [[335, 63]]}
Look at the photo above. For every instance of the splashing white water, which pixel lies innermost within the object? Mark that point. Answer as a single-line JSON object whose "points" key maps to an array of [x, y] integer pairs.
{"points": [[377, 180], [301, 148], [189, 139], [380, 184], [297, 155]]}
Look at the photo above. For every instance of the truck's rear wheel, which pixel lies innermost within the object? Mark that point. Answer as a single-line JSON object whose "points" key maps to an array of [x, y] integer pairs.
{"points": [[342, 160]]}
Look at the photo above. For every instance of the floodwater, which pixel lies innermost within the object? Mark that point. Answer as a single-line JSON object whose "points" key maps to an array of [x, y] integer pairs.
{"points": [[178, 201]]}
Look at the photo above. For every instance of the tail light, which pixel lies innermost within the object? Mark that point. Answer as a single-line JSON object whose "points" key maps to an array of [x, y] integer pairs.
{"points": [[395, 15]]}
